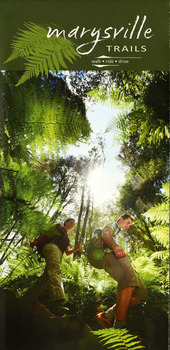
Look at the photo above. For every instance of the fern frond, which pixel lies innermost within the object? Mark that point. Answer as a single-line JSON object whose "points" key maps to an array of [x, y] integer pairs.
{"points": [[119, 339], [26, 40], [162, 254], [161, 234], [41, 53], [160, 213], [166, 189], [146, 269], [109, 97], [118, 126], [18, 263]]}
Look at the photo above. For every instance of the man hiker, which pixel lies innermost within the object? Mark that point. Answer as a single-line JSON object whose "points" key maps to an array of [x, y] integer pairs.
{"points": [[115, 261], [52, 251]]}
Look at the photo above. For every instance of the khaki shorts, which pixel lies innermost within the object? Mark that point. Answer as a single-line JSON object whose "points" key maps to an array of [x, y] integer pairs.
{"points": [[122, 271]]}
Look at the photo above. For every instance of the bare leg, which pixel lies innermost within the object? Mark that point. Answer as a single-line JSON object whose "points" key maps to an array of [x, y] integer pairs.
{"points": [[124, 301]]}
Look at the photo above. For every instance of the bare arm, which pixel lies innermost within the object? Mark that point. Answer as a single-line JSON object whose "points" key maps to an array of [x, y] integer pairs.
{"points": [[108, 240], [69, 251]]}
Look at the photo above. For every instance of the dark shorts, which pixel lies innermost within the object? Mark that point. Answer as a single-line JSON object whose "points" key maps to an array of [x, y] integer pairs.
{"points": [[122, 271]]}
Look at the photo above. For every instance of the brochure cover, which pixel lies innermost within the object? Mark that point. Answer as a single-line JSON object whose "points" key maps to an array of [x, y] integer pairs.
{"points": [[84, 201]]}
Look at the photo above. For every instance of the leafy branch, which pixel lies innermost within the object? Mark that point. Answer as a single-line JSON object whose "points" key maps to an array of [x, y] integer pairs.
{"points": [[41, 53]]}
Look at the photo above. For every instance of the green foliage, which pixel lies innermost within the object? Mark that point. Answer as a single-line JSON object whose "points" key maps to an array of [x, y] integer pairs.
{"points": [[142, 131], [161, 233], [159, 217], [153, 269], [149, 105], [147, 269], [21, 268], [109, 96], [140, 121], [22, 190], [90, 291], [80, 271], [78, 287], [118, 126], [160, 213], [33, 186], [49, 118], [84, 285], [33, 197], [120, 339], [151, 111], [41, 53]]}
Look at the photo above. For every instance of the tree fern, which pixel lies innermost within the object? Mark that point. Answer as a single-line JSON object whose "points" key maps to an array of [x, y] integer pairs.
{"points": [[118, 126], [41, 53], [118, 339], [49, 117], [146, 117], [159, 216], [22, 261], [124, 125], [109, 96]]}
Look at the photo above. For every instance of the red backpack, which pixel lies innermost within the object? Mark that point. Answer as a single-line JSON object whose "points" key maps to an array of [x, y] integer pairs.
{"points": [[43, 239], [39, 242]]}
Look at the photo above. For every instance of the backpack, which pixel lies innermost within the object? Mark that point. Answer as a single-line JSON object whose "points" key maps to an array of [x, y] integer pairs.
{"points": [[39, 243], [43, 239], [95, 250]]}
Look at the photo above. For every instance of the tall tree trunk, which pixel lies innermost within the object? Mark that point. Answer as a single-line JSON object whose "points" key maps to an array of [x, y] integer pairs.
{"points": [[89, 236], [79, 219], [83, 232]]}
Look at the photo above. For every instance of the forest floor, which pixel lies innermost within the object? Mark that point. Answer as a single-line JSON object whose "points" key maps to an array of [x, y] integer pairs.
{"points": [[29, 326]]}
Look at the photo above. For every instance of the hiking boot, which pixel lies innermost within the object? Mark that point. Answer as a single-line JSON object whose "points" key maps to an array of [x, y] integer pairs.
{"points": [[104, 321]]}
